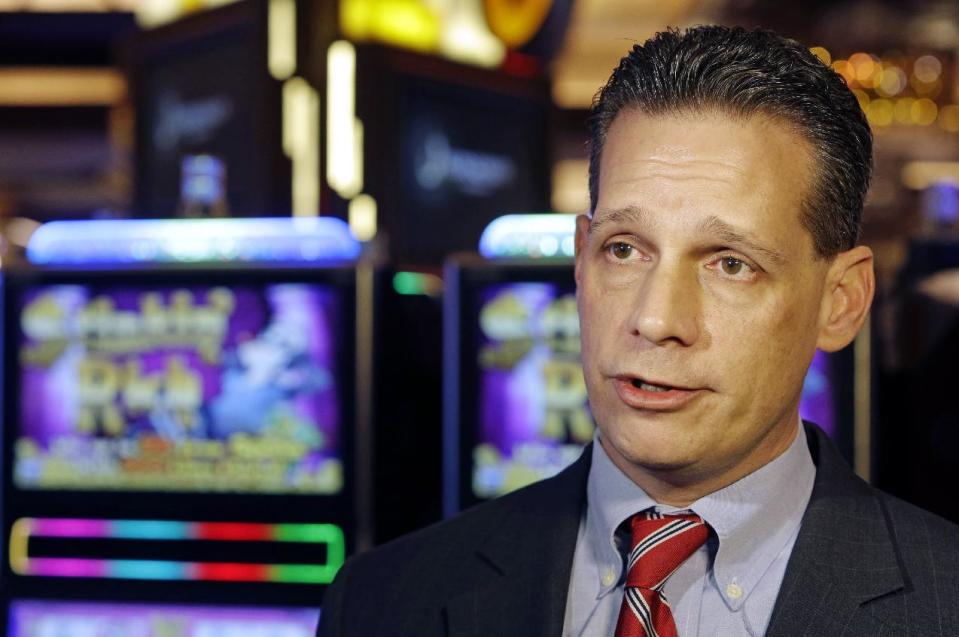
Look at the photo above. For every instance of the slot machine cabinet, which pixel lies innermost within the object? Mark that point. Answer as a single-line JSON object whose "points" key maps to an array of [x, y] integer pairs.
{"points": [[182, 437]]}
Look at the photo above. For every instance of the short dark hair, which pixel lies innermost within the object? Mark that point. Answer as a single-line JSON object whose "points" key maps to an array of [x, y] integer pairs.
{"points": [[746, 73]]}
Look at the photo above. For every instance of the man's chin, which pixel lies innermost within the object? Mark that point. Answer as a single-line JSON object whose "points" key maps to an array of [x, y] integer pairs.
{"points": [[654, 459]]}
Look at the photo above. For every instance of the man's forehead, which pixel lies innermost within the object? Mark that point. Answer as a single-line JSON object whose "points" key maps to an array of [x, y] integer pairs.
{"points": [[717, 162]]}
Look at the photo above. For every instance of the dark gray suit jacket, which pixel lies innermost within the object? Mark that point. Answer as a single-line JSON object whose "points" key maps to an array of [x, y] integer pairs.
{"points": [[864, 563]]}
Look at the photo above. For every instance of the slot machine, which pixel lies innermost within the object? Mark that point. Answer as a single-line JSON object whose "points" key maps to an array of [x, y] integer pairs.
{"points": [[183, 451]]}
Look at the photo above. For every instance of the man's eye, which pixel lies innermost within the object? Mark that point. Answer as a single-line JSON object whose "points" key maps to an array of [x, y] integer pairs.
{"points": [[620, 250], [733, 267]]}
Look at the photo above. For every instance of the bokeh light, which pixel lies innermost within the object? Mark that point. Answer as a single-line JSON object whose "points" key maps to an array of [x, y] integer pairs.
{"points": [[863, 98], [927, 69], [893, 81], [903, 110], [822, 54], [846, 70], [880, 112], [924, 111], [949, 118], [864, 66]]}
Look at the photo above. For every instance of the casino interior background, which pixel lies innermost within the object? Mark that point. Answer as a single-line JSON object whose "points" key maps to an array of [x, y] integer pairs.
{"points": [[354, 315]]}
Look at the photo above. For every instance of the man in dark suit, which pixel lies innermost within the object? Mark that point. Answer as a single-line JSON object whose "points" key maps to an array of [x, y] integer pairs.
{"points": [[727, 179]]}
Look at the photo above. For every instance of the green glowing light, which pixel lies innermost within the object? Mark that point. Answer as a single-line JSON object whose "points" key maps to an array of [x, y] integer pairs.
{"points": [[413, 283]]}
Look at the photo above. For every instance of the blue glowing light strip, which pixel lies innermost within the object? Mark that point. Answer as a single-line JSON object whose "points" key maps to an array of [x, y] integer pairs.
{"points": [[536, 236], [130, 241]]}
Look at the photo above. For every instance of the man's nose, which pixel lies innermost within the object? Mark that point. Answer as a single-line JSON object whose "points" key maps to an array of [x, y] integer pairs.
{"points": [[667, 306]]}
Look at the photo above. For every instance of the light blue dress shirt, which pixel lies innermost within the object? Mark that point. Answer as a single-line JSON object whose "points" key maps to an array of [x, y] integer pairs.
{"points": [[729, 586]]}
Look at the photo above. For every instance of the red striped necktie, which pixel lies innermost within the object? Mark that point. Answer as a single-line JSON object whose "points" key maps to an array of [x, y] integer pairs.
{"points": [[660, 544]]}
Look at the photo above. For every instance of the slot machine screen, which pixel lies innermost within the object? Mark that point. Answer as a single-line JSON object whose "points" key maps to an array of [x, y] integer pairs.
{"points": [[516, 408], [41, 618], [533, 415], [190, 388]]}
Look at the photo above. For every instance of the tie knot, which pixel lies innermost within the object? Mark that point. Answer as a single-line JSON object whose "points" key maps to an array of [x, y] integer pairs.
{"points": [[660, 544]]}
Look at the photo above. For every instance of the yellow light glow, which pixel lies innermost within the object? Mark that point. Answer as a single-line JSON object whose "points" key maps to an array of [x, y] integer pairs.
{"points": [[903, 110], [949, 118], [344, 159], [927, 69], [516, 22], [19, 540], [281, 50], [919, 175], [862, 97], [356, 18], [154, 13], [924, 112], [571, 186], [406, 23], [301, 143], [892, 82], [61, 86], [362, 213], [864, 66], [846, 70], [822, 53], [466, 38], [880, 112], [927, 89]]}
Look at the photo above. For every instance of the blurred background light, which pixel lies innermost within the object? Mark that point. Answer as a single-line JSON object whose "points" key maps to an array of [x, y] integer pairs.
{"points": [[61, 86], [822, 54], [281, 22]]}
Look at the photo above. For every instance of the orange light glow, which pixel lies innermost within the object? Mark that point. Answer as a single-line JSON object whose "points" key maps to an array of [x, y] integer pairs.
{"points": [[949, 118]]}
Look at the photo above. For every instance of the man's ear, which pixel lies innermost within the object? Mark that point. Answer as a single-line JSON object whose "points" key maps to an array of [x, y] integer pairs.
{"points": [[847, 297], [582, 236]]}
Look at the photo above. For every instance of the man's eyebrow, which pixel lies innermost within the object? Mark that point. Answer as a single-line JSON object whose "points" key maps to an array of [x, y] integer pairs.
{"points": [[711, 226], [629, 214], [714, 226]]}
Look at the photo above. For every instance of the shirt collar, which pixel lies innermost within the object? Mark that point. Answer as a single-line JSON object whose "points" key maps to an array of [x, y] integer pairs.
{"points": [[753, 518]]}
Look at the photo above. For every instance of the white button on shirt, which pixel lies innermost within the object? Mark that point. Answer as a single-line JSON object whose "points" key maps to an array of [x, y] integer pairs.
{"points": [[729, 586]]}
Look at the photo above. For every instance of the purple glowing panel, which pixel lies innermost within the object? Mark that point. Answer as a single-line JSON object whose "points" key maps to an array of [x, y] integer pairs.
{"points": [[77, 619], [534, 417], [185, 389], [816, 403]]}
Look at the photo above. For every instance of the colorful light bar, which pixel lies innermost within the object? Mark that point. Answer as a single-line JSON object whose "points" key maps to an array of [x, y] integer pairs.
{"points": [[131, 241], [36, 618], [166, 530], [530, 236]]}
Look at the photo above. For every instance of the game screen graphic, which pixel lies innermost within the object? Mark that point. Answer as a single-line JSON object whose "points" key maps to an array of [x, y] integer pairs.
{"points": [[194, 388], [816, 403], [534, 417], [78, 619]]}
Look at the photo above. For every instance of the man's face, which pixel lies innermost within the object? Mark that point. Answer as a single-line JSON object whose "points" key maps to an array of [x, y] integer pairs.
{"points": [[696, 276]]}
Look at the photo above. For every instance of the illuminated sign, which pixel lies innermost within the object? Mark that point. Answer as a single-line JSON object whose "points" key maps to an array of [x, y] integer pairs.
{"points": [[471, 172], [75, 532], [471, 31]]}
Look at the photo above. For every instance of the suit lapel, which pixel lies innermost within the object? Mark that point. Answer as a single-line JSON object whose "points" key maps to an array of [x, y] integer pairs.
{"points": [[525, 564], [845, 553]]}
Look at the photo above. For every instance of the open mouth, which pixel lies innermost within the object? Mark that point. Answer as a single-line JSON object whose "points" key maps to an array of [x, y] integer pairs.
{"points": [[639, 383], [640, 393]]}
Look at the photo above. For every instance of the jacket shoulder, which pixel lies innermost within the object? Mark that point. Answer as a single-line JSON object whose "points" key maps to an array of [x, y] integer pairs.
{"points": [[415, 574], [914, 527], [927, 547]]}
